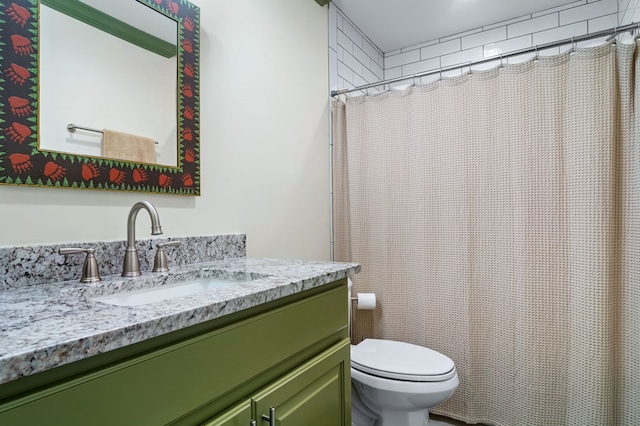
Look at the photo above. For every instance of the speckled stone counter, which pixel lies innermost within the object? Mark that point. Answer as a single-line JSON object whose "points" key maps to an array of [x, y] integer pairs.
{"points": [[49, 325], [42, 264]]}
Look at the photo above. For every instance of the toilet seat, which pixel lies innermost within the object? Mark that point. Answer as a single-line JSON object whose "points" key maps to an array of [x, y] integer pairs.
{"points": [[401, 361]]}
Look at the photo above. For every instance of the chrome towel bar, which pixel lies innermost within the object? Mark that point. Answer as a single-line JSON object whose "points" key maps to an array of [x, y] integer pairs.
{"points": [[73, 127]]}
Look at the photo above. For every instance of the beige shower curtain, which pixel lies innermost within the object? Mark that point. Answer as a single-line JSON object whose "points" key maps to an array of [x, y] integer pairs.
{"points": [[496, 217]]}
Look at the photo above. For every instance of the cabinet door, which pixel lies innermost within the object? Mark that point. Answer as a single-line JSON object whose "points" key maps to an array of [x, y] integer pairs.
{"points": [[316, 393], [239, 415]]}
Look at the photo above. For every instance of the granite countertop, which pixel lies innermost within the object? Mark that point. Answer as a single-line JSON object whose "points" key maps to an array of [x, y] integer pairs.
{"points": [[46, 326]]}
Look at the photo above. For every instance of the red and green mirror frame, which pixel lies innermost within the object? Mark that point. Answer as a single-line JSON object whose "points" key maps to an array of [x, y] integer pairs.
{"points": [[21, 160]]}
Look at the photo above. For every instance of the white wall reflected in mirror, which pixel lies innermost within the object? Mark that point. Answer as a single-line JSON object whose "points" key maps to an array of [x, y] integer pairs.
{"points": [[93, 79]]}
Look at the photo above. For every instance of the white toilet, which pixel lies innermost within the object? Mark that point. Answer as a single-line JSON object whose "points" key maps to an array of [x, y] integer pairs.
{"points": [[396, 383]]}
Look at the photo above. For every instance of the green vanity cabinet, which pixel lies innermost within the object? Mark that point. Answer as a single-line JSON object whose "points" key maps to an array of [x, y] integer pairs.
{"points": [[316, 393], [240, 415], [291, 354]]}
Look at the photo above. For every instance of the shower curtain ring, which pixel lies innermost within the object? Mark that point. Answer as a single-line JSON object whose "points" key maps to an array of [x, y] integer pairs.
{"points": [[615, 35]]}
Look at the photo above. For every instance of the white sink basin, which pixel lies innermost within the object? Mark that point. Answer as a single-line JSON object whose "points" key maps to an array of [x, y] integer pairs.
{"points": [[165, 292]]}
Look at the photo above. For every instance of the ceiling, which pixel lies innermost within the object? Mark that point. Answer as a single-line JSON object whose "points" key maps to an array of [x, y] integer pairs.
{"points": [[392, 25]]}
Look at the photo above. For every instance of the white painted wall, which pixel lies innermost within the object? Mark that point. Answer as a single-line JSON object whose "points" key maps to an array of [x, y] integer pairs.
{"points": [[264, 127]]}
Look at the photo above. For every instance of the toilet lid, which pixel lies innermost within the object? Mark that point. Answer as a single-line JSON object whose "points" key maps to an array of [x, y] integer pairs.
{"points": [[401, 361]]}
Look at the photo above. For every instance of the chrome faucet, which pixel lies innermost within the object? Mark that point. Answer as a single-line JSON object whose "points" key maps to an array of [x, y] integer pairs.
{"points": [[131, 267]]}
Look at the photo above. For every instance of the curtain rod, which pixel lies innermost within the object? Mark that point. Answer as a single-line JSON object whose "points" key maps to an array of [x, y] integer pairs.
{"points": [[612, 33]]}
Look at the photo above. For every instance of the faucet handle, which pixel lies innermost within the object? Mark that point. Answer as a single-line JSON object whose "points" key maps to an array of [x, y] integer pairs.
{"points": [[160, 261], [90, 272]]}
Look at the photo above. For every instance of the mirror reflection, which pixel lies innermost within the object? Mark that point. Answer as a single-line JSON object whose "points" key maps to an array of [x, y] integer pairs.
{"points": [[95, 80]]}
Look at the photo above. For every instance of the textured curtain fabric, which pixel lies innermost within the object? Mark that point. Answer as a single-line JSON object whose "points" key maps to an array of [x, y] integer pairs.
{"points": [[496, 217]]}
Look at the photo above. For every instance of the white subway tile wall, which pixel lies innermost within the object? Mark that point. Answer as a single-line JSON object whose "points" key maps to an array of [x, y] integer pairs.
{"points": [[602, 23], [576, 18], [402, 58], [359, 60], [560, 33], [588, 11], [560, 8], [484, 37], [530, 26], [628, 11], [510, 45], [434, 50], [353, 59]]}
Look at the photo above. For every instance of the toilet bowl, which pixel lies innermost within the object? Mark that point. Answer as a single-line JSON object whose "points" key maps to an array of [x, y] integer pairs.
{"points": [[396, 383]]}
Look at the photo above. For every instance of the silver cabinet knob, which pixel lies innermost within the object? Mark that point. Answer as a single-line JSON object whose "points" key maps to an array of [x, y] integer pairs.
{"points": [[160, 263], [90, 272]]}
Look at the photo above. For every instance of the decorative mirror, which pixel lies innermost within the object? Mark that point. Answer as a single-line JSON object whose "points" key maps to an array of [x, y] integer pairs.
{"points": [[33, 154]]}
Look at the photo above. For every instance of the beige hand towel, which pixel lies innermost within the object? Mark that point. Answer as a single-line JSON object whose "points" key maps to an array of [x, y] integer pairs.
{"points": [[124, 146]]}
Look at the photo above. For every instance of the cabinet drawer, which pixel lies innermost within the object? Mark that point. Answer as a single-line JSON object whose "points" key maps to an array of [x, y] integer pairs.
{"points": [[164, 385]]}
